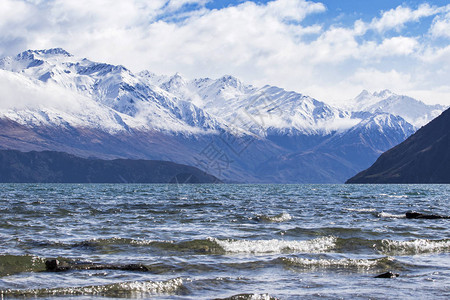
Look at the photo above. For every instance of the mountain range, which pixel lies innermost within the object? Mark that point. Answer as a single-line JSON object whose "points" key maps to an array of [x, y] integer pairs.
{"points": [[55, 101]]}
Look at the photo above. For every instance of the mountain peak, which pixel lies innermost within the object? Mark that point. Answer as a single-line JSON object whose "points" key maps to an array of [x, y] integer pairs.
{"points": [[30, 54], [178, 77], [175, 82], [364, 93], [383, 94], [230, 80], [412, 110], [362, 96]]}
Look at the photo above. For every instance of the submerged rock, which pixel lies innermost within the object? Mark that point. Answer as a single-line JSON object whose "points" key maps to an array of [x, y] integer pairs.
{"points": [[387, 275], [54, 265], [416, 215]]}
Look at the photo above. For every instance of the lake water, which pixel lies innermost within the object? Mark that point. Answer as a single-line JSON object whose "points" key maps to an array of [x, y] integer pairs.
{"points": [[221, 241]]}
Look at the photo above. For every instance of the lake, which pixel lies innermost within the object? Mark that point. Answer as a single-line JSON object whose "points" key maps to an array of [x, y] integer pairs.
{"points": [[223, 241]]}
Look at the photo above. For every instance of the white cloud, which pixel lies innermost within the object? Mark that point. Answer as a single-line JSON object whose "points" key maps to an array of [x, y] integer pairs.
{"points": [[374, 79], [437, 56], [259, 43], [396, 46], [398, 17], [174, 5], [295, 10], [21, 93], [441, 26]]}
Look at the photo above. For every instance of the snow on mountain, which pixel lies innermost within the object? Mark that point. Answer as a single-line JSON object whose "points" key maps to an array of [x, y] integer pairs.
{"points": [[382, 120], [262, 111], [34, 103], [413, 111], [112, 88], [55, 101], [175, 104]]}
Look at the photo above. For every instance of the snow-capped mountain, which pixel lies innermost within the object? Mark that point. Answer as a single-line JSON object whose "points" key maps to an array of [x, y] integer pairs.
{"points": [[52, 100], [113, 91], [413, 111], [262, 111]]}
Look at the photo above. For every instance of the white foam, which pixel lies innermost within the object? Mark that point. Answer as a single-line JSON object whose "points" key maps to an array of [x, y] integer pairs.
{"points": [[148, 242], [394, 196], [158, 287], [317, 245], [388, 215], [361, 209], [280, 218], [419, 246], [261, 297], [334, 263], [136, 287]]}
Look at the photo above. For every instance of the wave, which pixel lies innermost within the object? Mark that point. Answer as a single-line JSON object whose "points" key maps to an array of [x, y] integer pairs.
{"points": [[361, 209], [317, 245], [394, 216], [394, 196], [341, 232], [366, 197], [122, 289], [344, 263], [201, 246], [340, 240], [218, 246], [419, 246], [283, 217], [13, 264]]}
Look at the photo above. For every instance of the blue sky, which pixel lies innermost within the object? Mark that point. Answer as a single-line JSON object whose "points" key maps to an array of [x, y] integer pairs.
{"points": [[328, 49]]}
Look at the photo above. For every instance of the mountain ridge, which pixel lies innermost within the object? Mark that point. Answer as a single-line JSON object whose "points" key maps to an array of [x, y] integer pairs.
{"points": [[96, 109]]}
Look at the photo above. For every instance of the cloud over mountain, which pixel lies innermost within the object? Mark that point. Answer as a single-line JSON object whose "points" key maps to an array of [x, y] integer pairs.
{"points": [[295, 44]]}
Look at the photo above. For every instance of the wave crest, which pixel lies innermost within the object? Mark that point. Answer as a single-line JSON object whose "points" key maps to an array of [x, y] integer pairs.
{"points": [[418, 246], [344, 263], [317, 245], [283, 217], [124, 289]]}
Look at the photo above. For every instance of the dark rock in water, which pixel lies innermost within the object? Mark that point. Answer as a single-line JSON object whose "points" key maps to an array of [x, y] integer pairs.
{"points": [[134, 267], [423, 158], [416, 215], [388, 275], [54, 265], [51, 264]]}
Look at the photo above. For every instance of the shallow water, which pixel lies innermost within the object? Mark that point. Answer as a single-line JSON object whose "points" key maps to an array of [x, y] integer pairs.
{"points": [[219, 241]]}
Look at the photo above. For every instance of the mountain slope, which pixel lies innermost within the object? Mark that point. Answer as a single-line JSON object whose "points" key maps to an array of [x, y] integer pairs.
{"points": [[59, 167], [340, 155], [263, 111], [422, 158]]}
